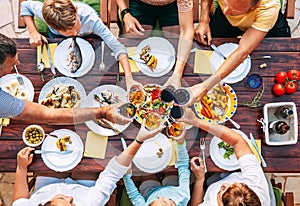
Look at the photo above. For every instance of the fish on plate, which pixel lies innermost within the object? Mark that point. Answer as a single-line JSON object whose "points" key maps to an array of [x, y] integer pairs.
{"points": [[74, 58]]}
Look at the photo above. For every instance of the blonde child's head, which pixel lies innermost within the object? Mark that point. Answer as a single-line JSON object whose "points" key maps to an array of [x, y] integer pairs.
{"points": [[59, 14]]}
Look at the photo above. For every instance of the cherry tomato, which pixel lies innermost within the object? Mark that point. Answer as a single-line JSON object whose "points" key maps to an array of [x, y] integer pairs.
{"points": [[278, 89], [281, 77], [293, 75], [155, 94], [291, 87]]}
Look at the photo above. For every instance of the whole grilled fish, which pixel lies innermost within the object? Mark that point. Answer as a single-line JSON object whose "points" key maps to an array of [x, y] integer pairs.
{"points": [[74, 56]]}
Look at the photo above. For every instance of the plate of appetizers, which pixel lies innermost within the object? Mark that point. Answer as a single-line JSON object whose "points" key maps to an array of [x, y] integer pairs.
{"points": [[218, 105], [9, 84], [222, 154], [154, 154], [236, 75], [66, 150], [155, 56], [101, 96], [74, 57], [62, 92], [148, 102]]}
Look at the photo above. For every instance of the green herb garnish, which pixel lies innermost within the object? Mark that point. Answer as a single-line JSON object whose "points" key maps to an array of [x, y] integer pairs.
{"points": [[228, 149]]}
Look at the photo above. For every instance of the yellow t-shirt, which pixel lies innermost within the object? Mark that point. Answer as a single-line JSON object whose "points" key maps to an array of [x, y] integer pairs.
{"points": [[263, 18]]}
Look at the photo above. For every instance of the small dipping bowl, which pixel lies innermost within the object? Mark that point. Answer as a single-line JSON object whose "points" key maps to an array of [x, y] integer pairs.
{"points": [[176, 130], [136, 96], [254, 81], [33, 135], [127, 110], [153, 120]]}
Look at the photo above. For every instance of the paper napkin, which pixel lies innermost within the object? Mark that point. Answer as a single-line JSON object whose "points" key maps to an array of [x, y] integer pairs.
{"points": [[131, 53], [5, 121], [172, 161], [95, 145], [258, 142], [202, 62], [45, 58]]}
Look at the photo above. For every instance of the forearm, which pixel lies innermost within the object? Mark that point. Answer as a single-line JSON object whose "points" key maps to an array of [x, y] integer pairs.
{"points": [[122, 4], [127, 155], [21, 185], [205, 11], [30, 24], [198, 193], [185, 41], [123, 58]]}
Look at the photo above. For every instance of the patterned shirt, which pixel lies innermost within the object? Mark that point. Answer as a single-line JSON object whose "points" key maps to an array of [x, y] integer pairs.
{"points": [[10, 106]]}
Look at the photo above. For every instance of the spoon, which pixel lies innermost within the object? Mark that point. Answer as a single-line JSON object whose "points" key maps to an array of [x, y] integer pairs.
{"points": [[102, 65], [41, 66]]}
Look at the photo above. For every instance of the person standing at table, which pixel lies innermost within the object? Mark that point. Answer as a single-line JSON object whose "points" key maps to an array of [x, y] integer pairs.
{"points": [[18, 109], [50, 190], [66, 18], [141, 15], [168, 194], [253, 20], [248, 187]]}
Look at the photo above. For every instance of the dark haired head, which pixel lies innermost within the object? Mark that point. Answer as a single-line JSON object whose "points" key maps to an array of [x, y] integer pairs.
{"points": [[8, 48]]}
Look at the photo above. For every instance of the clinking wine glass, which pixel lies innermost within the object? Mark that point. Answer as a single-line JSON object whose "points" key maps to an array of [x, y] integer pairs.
{"points": [[182, 96]]}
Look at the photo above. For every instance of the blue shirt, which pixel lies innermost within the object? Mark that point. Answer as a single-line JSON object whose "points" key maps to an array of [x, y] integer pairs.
{"points": [[180, 194], [90, 23], [10, 106]]}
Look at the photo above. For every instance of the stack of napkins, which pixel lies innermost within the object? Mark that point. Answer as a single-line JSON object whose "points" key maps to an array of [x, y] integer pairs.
{"points": [[202, 62], [258, 142], [45, 58], [131, 53], [95, 145]]}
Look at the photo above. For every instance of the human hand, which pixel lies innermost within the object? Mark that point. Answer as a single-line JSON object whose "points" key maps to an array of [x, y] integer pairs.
{"points": [[202, 34], [24, 158], [189, 117], [36, 39], [145, 134], [197, 92], [197, 167], [112, 114], [174, 80], [133, 26], [131, 83]]}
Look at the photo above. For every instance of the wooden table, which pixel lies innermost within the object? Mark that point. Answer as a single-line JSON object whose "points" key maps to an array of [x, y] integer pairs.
{"points": [[285, 54]]}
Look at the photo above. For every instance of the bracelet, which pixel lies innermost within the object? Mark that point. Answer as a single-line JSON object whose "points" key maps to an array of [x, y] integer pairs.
{"points": [[125, 11], [138, 141]]}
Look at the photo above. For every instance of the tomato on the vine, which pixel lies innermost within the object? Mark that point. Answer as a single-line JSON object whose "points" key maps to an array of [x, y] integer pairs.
{"points": [[293, 75], [291, 87], [281, 77], [278, 89]]}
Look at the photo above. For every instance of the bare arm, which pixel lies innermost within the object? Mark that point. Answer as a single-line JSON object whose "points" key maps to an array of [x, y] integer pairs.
{"points": [[34, 112], [21, 186], [248, 43], [203, 26], [36, 38], [197, 167]]}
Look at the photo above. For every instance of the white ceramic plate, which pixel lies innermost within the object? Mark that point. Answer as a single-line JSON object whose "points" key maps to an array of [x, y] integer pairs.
{"points": [[62, 162], [91, 102], [146, 158], [47, 88], [163, 50], [216, 154], [87, 52], [236, 75], [28, 87]]}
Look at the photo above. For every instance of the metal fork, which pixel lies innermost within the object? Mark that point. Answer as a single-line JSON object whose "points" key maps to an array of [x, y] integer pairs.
{"points": [[102, 65], [202, 147], [19, 77]]}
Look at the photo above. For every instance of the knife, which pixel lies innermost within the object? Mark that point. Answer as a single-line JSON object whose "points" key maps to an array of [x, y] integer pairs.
{"points": [[124, 145], [50, 60], [52, 151], [217, 50], [263, 162]]}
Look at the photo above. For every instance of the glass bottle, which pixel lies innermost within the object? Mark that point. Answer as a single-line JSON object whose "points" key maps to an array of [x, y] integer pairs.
{"points": [[279, 127], [283, 112]]}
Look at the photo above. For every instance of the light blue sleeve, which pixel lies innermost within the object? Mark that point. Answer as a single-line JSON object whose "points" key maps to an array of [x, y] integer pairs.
{"points": [[134, 195], [183, 169], [32, 8], [10, 106]]}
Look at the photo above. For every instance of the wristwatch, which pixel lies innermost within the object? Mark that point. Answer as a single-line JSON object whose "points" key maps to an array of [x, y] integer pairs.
{"points": [[125, 11]]}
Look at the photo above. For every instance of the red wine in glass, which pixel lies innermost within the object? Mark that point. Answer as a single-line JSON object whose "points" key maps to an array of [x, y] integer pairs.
{"points": [[176, 112], [182, 96]]}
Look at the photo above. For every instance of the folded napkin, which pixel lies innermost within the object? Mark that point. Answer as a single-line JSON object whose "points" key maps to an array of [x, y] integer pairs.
{"points": [[202, 62], [172, 161], [258, 142], [133, 67], [4, 121], [45, 58], [95, 145]]}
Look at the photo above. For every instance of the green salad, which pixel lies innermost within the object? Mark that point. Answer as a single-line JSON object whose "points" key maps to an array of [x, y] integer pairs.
{"points": [[228, 149]]}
